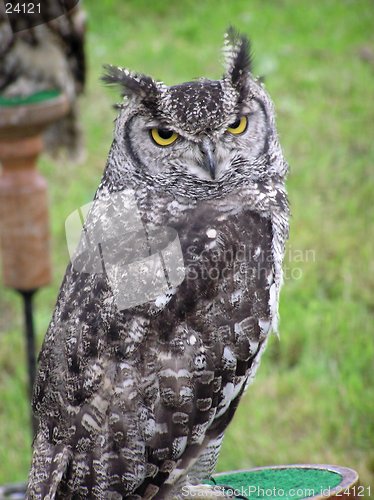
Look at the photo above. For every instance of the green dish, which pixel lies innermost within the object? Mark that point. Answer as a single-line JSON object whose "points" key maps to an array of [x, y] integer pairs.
{"points": [[292, 483]]}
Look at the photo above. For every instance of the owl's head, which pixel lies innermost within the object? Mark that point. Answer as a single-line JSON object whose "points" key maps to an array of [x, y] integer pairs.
{"points": [[205, 133]]}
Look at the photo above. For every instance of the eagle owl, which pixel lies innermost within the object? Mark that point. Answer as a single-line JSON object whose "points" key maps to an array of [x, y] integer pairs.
{"points": [[134, 397], [41, 51]]}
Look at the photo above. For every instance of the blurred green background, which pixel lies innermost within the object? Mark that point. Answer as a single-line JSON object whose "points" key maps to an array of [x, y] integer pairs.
{"points": [[313, 398]]}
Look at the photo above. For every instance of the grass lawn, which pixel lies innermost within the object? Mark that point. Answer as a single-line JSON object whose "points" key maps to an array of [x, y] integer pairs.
{"points": [[313, 399]]}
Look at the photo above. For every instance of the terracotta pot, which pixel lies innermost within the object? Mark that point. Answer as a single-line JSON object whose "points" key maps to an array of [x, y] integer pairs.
{"points": [[24, 230]]}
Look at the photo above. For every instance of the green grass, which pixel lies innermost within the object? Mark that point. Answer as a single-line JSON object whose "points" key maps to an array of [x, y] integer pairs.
{"points": [[313, 399]]}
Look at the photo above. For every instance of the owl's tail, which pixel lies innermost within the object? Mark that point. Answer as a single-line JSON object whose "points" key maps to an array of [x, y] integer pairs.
{"points": [[49, 463]]}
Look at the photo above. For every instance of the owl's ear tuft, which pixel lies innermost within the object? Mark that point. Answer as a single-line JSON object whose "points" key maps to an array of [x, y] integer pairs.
{"points": [[237, 55], [133, 84]]}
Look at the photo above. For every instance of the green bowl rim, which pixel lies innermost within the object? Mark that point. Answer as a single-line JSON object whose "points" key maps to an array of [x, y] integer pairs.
{"points": [[36, 98], [349, 476]]}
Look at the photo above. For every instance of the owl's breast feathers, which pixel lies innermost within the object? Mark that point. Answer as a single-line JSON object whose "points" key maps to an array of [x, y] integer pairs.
{"points": [[129, 399]]}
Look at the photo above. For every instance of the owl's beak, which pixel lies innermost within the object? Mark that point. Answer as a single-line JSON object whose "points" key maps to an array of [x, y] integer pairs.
{"points": [[209, 161]]}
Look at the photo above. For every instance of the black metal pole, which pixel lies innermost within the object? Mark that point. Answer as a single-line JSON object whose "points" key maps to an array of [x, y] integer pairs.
{"points": [[30, 346]]}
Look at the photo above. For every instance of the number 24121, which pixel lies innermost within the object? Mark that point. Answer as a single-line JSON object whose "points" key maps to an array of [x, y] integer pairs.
{"points": [[24, 8]]}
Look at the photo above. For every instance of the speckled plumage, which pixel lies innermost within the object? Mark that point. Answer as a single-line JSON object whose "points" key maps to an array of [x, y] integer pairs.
{"points": [[134, 403], [41, 51]]}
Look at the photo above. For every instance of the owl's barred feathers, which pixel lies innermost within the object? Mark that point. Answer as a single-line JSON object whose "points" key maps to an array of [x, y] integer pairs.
{"points": [[133, 84], [134, 403], [237, 56]]}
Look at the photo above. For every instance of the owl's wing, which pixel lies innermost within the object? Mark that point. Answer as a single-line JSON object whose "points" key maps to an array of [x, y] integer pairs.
{"points": [[66, 377], [210, 339]]}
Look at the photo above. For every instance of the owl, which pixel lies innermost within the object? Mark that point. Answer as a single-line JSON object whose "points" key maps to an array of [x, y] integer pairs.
{"points": [[167, 307], [41, 51]]}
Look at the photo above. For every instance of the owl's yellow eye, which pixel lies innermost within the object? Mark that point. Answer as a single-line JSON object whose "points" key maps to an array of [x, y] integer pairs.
{"points": [[239, 126], [163, 137]]}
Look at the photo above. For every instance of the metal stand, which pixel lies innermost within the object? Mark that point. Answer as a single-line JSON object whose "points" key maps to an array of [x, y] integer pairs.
{"points": [[30, 346]]}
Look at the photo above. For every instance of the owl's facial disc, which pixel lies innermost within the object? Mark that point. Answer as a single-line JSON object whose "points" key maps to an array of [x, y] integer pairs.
{"points": [[165, 150]]}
